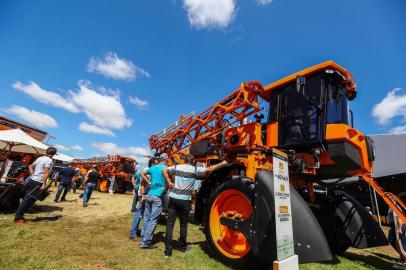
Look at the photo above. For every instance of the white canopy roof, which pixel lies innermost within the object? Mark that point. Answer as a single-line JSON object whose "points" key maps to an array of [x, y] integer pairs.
{"points": [[63, 157], [21, 142]]}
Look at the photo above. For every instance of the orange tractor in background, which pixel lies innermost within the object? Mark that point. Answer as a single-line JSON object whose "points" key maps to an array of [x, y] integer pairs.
{"points": [[114, 170], [307, 116]]}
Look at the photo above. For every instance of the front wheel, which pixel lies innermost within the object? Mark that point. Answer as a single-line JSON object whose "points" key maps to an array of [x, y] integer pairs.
{"points": [[232, 199]]}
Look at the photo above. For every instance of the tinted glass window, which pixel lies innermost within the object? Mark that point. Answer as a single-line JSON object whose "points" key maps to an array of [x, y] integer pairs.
{"points": [[337, 103], [299, 113]]}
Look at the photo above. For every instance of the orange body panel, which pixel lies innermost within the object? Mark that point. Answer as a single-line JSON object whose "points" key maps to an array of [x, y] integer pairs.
{"points": [[351, 85], [272, 131], [249, 136], [340, 132]]}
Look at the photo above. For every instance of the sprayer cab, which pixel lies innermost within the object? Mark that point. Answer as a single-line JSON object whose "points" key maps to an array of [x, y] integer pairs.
{"points": [[309, 116]]}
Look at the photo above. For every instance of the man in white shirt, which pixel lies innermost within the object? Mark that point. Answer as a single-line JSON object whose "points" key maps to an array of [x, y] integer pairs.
{"points": [[40, 171]]}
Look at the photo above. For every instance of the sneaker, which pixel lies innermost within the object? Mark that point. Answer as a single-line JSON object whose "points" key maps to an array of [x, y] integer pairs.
{"points": [[132, 238], [84, 205], [63, 200], [55, 201], [186, 249], [20, 221]]}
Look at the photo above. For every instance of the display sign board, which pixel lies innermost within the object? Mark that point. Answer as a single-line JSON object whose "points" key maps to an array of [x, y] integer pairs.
{"points": [[283, 214]]}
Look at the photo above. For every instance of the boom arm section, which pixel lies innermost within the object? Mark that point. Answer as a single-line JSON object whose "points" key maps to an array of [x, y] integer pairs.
{"points": [[391, 199], [235, 107]]}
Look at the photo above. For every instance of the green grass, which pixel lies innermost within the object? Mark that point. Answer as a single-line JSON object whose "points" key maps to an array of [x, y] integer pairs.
{"points": [[67, 236]]}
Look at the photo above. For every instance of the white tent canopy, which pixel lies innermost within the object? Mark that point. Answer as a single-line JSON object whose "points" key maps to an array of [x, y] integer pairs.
{"points": [[20, 142], [63, 157]]}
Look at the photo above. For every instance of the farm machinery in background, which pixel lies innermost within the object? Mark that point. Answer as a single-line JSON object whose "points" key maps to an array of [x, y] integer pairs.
{"points": [[307, 116], [116, 171]]}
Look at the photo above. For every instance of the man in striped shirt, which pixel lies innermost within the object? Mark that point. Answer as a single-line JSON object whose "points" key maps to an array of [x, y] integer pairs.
{"points": [[180, 197]]}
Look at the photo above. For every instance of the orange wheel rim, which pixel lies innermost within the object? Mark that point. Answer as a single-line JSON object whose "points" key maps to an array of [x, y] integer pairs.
{"points": [[103, 186], [231, 243]]}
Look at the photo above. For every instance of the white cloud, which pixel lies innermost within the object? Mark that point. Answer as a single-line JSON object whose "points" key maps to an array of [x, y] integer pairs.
{"points": [[264, 2], [141, 151], [139, 103], [104, 110], [101, 105], [35, 118], [46, 97], [62, 147], [93, 129], [108, 148], [397, 130], [116, 68], [76, 147], [68, 148], [210, 13], [136, 152], [393, 105]]}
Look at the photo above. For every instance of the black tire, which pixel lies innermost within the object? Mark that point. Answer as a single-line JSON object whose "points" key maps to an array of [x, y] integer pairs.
{"points": [[246, 188]]}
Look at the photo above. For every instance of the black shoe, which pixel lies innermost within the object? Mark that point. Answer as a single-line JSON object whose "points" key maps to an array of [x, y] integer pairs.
{"points": [[55, 201], [186, 249], [167, 254], [63, 200], [84, 205]]}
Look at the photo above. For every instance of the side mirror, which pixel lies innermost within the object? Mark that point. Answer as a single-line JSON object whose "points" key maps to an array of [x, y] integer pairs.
{"points": [[300, 85]]}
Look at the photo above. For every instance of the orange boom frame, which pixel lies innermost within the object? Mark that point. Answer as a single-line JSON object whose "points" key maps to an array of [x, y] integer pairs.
{"points": [[307, 118]]}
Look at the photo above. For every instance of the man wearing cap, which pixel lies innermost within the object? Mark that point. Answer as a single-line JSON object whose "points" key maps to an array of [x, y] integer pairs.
{"points": [[40, 170], [153, 199], [180, 197]]}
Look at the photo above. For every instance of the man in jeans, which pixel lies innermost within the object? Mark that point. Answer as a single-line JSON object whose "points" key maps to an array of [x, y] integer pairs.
{"points": [[90, 184], [180, 198], [140, 208], [153, 199], [39, 173], [66, 180]]}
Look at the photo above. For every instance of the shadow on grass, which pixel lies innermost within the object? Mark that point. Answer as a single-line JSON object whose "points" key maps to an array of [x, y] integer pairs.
{"points": [[370, 260], [52, 218], [44, 208]]}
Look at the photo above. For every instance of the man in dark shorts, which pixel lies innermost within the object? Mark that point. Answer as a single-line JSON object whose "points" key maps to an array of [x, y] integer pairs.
{"points": [[90, 184], [66, 178]]}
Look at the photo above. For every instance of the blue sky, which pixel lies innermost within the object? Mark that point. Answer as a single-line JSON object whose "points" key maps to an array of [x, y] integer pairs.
{"points": [[101, 76]]}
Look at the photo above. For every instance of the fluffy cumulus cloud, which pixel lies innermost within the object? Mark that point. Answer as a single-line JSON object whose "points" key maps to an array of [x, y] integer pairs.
{"points": [[392, 106], [116, 68], [210, 13], [104, 110], [76, 147], [102, 106], [46, 97], [35, 118], [109, 148], [264, 2], [93, 129], [139, 103]]}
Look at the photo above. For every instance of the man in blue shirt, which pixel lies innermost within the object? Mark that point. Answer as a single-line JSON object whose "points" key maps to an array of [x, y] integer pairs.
{"points": [[153, 199], [136, 183], [66, 177]]}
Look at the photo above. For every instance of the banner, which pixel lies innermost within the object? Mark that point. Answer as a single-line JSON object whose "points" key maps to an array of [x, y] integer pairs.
{"points": [[283, 215]]}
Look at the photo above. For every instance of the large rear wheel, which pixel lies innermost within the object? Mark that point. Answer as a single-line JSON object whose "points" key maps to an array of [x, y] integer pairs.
{"points": [[232, 199]]}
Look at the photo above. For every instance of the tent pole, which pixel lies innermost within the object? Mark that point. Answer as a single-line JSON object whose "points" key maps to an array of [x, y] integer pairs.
{"points": [[3, 167]]}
